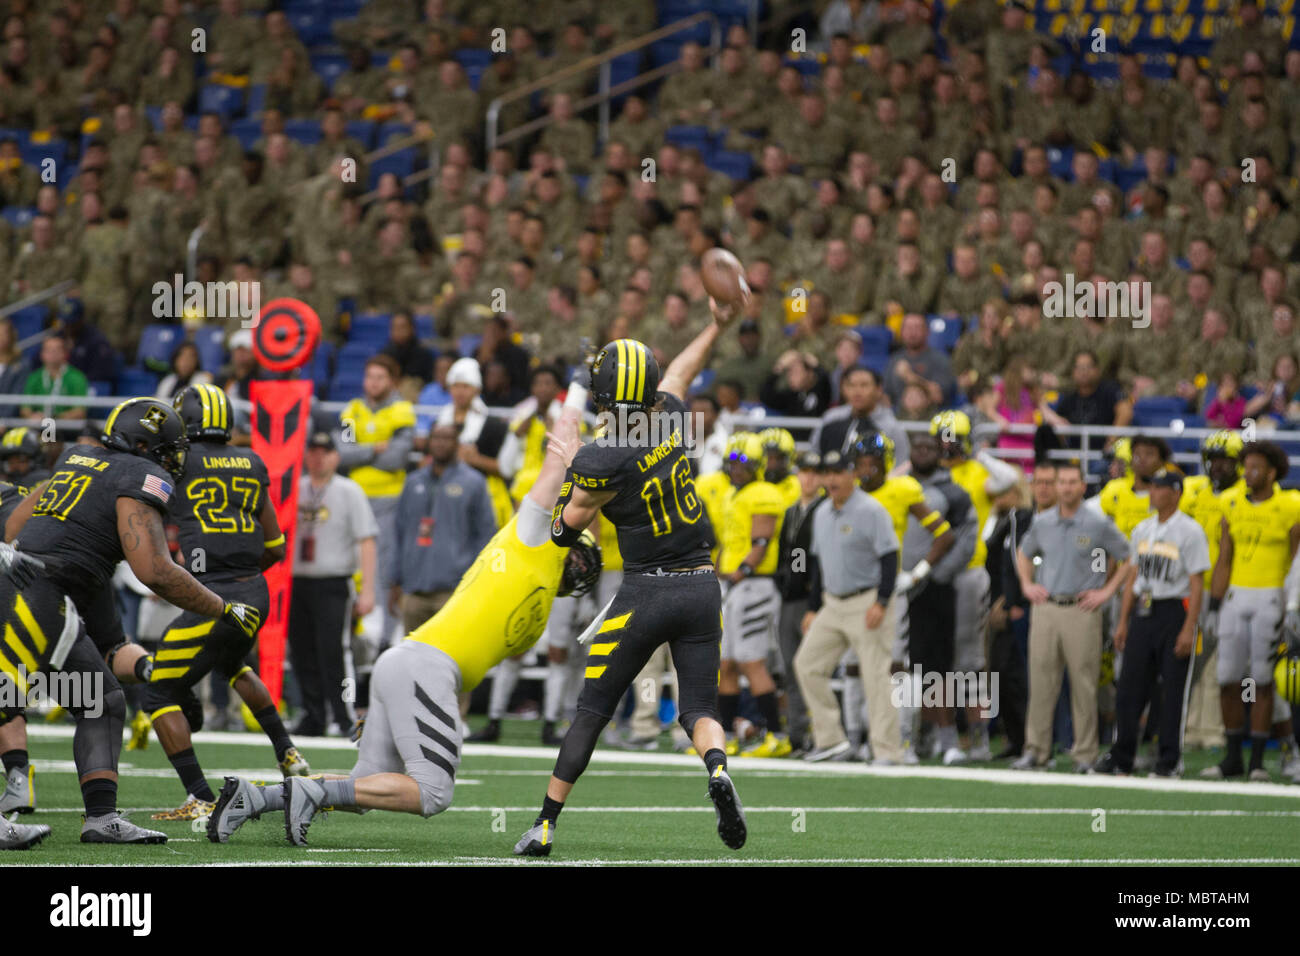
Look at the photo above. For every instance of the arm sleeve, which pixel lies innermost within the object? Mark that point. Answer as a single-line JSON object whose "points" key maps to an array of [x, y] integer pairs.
{"points": [[888, 574], [814, 583], [1002, 476], [399, 448]]}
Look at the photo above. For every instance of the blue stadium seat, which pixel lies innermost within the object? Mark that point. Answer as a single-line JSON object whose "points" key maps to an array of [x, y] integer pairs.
{"points": [[18, 216], [322, 361], [876, 340], [312, 26], [739, 166], [688, 137], [363, 131], [733, 11], [474, 76], [1059, 160], [400, 163], [137, 381], [34, 154], [345, 9], [256, 99], [100, 389], [477, 56], [369, 327], [305, 131], [158, 342], [329, 66], [29, 321], [154, 115], [13, 132], [702, 382], [424, 327], [225, 100], [343, 389], [876, 362], [807, 65], [468, 344], [391, 131], [944, 332], [246, 131], [1167, 406], [211, 343]]}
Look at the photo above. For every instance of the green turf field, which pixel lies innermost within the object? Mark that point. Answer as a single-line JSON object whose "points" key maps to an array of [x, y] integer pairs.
{"points": [[652, 808]]}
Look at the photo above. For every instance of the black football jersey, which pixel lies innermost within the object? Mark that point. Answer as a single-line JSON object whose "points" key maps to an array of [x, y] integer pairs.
{"points": [[11, 496], [660, 520], [73, 528], [218, 510]]}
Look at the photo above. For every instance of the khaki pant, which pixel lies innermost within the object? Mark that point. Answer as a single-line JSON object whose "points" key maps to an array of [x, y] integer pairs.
{"points": [[1204, 712], [839, 626], [419, 607], [1063, 639]]}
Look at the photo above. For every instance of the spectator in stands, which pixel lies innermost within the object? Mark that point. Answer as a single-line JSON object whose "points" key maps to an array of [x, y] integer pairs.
{"points": [[414, 361], [752, 365], [91, 353], [708, 434], [862, 414], [848, 354], [186, 370], [980, 354], [1016, 403], [485, 439], [434, 394], [498, 346], [917, 363], [858, 20], [1229, 407], [444, 518], [797, 385], [55, 377], [1279, 400], [1092, 401], [374, 440], [13, 367]]}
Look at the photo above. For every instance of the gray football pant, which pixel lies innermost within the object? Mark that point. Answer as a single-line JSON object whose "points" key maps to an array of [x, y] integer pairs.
{"points": [[412, 725]]}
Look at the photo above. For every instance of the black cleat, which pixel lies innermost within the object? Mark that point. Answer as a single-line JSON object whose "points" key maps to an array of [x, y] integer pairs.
{"points": [[549, 737], [731, 815], [490, 734]]}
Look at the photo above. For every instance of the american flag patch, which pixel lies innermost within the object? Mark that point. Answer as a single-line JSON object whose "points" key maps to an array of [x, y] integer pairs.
{"points": [[157, 487]]}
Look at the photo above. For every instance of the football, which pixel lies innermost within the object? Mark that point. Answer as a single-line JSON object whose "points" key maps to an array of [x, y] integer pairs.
{"points": [[723, 276]]}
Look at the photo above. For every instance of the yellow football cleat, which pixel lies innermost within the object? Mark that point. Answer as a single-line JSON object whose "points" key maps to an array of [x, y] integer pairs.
{"points": [[770, 746], [140, 726], [192, 809], [732, 748], [294, 764]]}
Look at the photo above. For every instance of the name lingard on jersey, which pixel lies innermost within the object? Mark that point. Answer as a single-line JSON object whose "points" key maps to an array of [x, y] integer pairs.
{"points": [[76, 909]]}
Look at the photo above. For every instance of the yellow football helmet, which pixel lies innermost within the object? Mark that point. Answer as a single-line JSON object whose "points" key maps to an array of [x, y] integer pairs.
{"points": [[952, 428], [1286, 678], [879, 446], [1224, 443], [778, 438], [747, 449]]}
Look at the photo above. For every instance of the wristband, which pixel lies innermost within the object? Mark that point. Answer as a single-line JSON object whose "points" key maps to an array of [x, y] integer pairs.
{"points": [[921, 570], [746, 570], [1215, 602]]}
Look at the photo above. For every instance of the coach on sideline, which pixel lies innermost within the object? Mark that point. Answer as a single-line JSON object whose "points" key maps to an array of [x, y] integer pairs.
{"points": [[853, 567], [1156, 631], [1075, 581]]}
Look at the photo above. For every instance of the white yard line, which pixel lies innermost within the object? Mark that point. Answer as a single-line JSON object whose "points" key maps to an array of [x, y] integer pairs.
{"points": [[739, 766], [728, 861]]}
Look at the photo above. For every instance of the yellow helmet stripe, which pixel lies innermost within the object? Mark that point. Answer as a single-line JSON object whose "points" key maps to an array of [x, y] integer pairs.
{"points": [[206, 404], [638, 380], [108, 425], [219, 412], [620, 390]]}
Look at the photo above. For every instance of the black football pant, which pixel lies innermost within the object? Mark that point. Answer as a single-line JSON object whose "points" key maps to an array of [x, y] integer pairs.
{"points": [[683, 610], [1148, 655], [1007, 659], [320, 620]]}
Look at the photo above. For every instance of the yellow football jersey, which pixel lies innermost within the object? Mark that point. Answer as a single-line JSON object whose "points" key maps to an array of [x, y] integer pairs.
{"points": [[897, 495], [1124, 506], [500, 607], [1261, 536], [742, 504], [1206, 509], [534, 445], [712, 489], [970, 476], [788, 487], [372, 427]]}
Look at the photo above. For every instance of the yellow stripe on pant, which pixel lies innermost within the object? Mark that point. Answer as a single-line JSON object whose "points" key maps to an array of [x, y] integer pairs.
{"points": [[180, 644], [604, 650]]}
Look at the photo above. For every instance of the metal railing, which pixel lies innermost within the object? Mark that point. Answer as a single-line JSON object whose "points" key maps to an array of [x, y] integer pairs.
{"points": [[605, 91], [36, 298]]}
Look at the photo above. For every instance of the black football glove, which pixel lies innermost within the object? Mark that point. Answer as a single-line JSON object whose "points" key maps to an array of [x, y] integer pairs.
{"points": [[22, 569], [243, 616]]}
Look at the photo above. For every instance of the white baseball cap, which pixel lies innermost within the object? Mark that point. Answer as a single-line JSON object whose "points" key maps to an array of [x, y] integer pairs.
{"points": [[465, 371], [241, 339]]}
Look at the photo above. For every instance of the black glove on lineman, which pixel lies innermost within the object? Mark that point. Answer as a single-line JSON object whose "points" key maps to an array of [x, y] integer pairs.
{"points": [[243, 616]]}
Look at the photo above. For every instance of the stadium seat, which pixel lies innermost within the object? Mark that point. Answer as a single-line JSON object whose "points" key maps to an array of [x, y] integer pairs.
{"points": [[99, 388], [944, 332], [246, 131], [211, 343], [224, 100], [1167, 406], [687, 137], [739, 166], [876, 339], [392, 131], [468, 344], [29, 321], [312, 26], [370, 327], [158, 342], [35, 154], [329, 66], [256, 99], [473, 57], [400, 163], [305, 131], [702, 382], [20, 217], [363, 131], [137, 381], [424, 329], [1059, 160]]}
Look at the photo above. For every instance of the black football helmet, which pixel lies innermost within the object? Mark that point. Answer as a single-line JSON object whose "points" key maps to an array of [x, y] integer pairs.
{"points": [[582, 566], [205, 410], [151, 429], [624, 373]]}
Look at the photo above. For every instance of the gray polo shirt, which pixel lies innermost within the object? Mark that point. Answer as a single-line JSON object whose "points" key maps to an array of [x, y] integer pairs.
{"points": [[1168, 554], [338, 517], [1069, 549], [849, 542]]}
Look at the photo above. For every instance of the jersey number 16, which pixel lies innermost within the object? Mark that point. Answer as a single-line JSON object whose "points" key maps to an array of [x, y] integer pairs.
{"points": [[686, 501]]}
